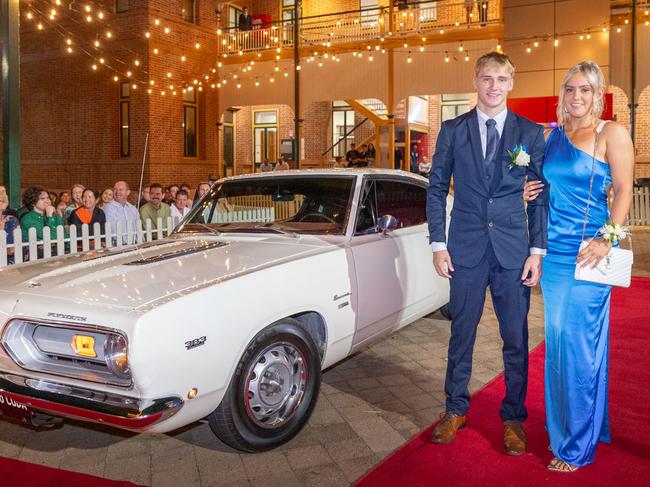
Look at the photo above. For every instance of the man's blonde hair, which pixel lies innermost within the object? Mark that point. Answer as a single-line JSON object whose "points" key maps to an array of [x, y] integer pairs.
{"points": [[496, 58], [596, 80]]}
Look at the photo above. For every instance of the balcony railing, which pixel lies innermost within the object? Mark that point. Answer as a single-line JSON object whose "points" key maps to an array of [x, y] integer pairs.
{"points": [[364, 25]]}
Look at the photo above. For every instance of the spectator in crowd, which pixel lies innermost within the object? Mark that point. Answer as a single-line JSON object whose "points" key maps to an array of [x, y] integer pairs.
{"points": [[121, 211], [266, 166], [40, 213], [188, 190], [362, 161], [144, 195], [398, 157], [201, 190], [483, 12], [424, 167], [170, 194], [352, 155], [415, 157], [54, 198], [88, 213], [8, 221], [179, 209], [371, 154], [76, 192], [107, 197], [340, 162], [155, 208], [469, 5], [61, 202], [245, 20], [281, 165]]}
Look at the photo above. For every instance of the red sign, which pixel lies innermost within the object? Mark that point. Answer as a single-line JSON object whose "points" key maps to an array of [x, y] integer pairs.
{"points": [[542, 109]]}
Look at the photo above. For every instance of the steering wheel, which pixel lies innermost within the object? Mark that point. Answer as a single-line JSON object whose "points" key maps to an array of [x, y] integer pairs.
{"points": [[318, 216]]}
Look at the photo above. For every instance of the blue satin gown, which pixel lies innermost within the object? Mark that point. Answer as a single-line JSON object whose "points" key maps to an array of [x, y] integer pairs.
{"points": [[576, 313]]}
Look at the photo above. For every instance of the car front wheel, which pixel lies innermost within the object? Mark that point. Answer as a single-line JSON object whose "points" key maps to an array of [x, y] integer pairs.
{"points": [[273, 390]]}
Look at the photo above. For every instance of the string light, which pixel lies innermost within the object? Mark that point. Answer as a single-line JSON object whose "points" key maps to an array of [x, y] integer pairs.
{"points": [[409, 60], [156, 21], [147, 35], [556, 42], [96, 43], [446, 57], [109, 34], [167, 30], [466, 57]]}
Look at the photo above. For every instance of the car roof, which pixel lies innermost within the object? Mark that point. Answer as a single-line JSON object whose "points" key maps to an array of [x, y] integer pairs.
{"points": [[329, 172]]}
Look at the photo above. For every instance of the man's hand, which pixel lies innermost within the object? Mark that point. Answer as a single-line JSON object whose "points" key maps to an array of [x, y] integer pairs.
{"points": [[442, 263], [533, 266]]}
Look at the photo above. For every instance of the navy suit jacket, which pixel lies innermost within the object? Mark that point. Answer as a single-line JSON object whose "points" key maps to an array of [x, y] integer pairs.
{"points": [[487, 210]]}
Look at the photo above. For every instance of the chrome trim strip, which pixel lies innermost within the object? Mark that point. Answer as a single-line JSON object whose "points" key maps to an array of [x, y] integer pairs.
{"points": [[89, 405]]}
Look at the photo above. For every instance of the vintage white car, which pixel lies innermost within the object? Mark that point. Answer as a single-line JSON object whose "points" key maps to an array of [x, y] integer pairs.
{"points": [[268, 280]]}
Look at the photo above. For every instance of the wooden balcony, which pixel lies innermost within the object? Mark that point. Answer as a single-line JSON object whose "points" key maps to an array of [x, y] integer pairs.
{"points": [[425, 22]]}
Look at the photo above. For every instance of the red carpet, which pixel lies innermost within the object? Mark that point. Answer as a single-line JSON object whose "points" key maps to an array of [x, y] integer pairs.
{"points": [[475, 458], [20, 474]]}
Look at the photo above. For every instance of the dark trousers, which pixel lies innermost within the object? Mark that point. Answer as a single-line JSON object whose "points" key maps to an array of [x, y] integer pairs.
{"points": [[511, 301]]}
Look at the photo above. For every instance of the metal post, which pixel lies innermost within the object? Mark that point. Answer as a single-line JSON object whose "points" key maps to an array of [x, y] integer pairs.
{"points": [[633, 103], [11, 99], [296, 84]]}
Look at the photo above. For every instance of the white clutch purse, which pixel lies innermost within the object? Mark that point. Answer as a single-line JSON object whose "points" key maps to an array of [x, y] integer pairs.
{"points": [[614, 270]]}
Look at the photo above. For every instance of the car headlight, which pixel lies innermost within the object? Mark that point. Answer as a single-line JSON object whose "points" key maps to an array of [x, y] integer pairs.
{"points": [[90, 353], [116, 356]]}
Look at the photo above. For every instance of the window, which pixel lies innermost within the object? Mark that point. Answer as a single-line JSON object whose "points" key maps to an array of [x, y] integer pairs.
{"points": [[125, 126], [189, 123], [188, 11], [419, 110], [428, 12], [233, 17], [288, 14], [265, 136], [342, 123], [453, 105], [369, 13], [405, 201], [121, 5]]}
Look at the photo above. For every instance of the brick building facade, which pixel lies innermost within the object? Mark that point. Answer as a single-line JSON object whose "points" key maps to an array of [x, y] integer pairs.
{"points": [[71, 113]]}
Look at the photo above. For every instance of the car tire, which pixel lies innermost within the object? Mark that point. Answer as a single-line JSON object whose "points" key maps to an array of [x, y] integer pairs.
{"points": [[272, 392], [445, 312]]}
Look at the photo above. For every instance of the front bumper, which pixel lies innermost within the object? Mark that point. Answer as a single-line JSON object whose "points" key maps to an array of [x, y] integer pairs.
{"points": [[88, 405]]}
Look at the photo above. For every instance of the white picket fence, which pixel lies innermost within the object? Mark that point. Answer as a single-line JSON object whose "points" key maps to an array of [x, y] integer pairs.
{"points": [[113, 236], [640, 210]]}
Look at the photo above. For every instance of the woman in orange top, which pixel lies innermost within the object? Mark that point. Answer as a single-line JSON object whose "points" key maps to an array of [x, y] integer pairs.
{"points": [[88, 213]]}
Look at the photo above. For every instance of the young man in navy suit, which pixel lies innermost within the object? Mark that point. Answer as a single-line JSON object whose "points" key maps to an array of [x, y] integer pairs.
{"points": [[494, 240]]}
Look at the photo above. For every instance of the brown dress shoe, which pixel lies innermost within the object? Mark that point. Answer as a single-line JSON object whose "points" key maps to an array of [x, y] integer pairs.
{"points": [[446, 429], [514, 438]]}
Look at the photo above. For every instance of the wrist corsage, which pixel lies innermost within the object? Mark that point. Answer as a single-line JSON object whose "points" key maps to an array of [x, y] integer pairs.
{"points": [[613, 232]]}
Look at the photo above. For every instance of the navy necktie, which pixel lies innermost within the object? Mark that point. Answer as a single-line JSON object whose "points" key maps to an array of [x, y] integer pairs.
{"points": [[491, 145]]}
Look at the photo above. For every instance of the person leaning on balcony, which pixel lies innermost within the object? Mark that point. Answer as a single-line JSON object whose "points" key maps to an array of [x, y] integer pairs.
{"points": [[469, 5], [40, 213], [88, 213], [155, 208], [483, 12], [245, 20]]}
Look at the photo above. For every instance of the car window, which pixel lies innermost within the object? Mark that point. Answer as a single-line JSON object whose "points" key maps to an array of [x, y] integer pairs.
{"points": [[295, 204], [406, 202]]}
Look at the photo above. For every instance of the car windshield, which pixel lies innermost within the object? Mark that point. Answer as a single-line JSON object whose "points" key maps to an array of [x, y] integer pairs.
{"points": [[318, 205]]}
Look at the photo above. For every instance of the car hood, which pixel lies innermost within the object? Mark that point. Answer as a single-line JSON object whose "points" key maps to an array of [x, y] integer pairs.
{"points": [[134, 276]]}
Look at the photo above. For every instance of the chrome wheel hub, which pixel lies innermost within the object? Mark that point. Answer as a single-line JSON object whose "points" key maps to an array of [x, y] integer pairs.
{"points": [[275, 385]]}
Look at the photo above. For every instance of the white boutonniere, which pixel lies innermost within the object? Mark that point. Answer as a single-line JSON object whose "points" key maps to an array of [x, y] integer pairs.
{"points": [[518, 157]]}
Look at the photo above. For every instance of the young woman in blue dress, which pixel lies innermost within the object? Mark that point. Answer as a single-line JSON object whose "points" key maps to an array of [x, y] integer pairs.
{"points": [[576, 313]]}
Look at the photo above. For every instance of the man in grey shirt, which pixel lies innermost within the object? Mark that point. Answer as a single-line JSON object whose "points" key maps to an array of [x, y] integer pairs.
{"points": [[120, 210]]}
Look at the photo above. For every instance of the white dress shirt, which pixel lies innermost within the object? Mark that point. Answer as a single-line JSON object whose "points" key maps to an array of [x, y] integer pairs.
{"points": [[500, 119], [176, 214]]}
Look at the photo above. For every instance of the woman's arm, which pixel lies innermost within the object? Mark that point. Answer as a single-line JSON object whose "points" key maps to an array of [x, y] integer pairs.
{"points": [[619, 154]]}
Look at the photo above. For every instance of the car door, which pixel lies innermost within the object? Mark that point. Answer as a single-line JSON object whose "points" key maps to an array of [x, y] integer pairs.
{"points": [[380, 265], [396, 281]]}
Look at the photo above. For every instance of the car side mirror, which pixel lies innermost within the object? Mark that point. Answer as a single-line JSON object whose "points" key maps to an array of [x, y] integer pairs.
{"points": [[387, 224]]}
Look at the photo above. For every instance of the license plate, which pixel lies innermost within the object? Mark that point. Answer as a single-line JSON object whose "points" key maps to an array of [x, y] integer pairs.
{"points": [[10, 406]]}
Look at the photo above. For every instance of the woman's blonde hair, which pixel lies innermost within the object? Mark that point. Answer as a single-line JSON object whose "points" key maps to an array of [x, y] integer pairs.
{"points": [[596, 80]]}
